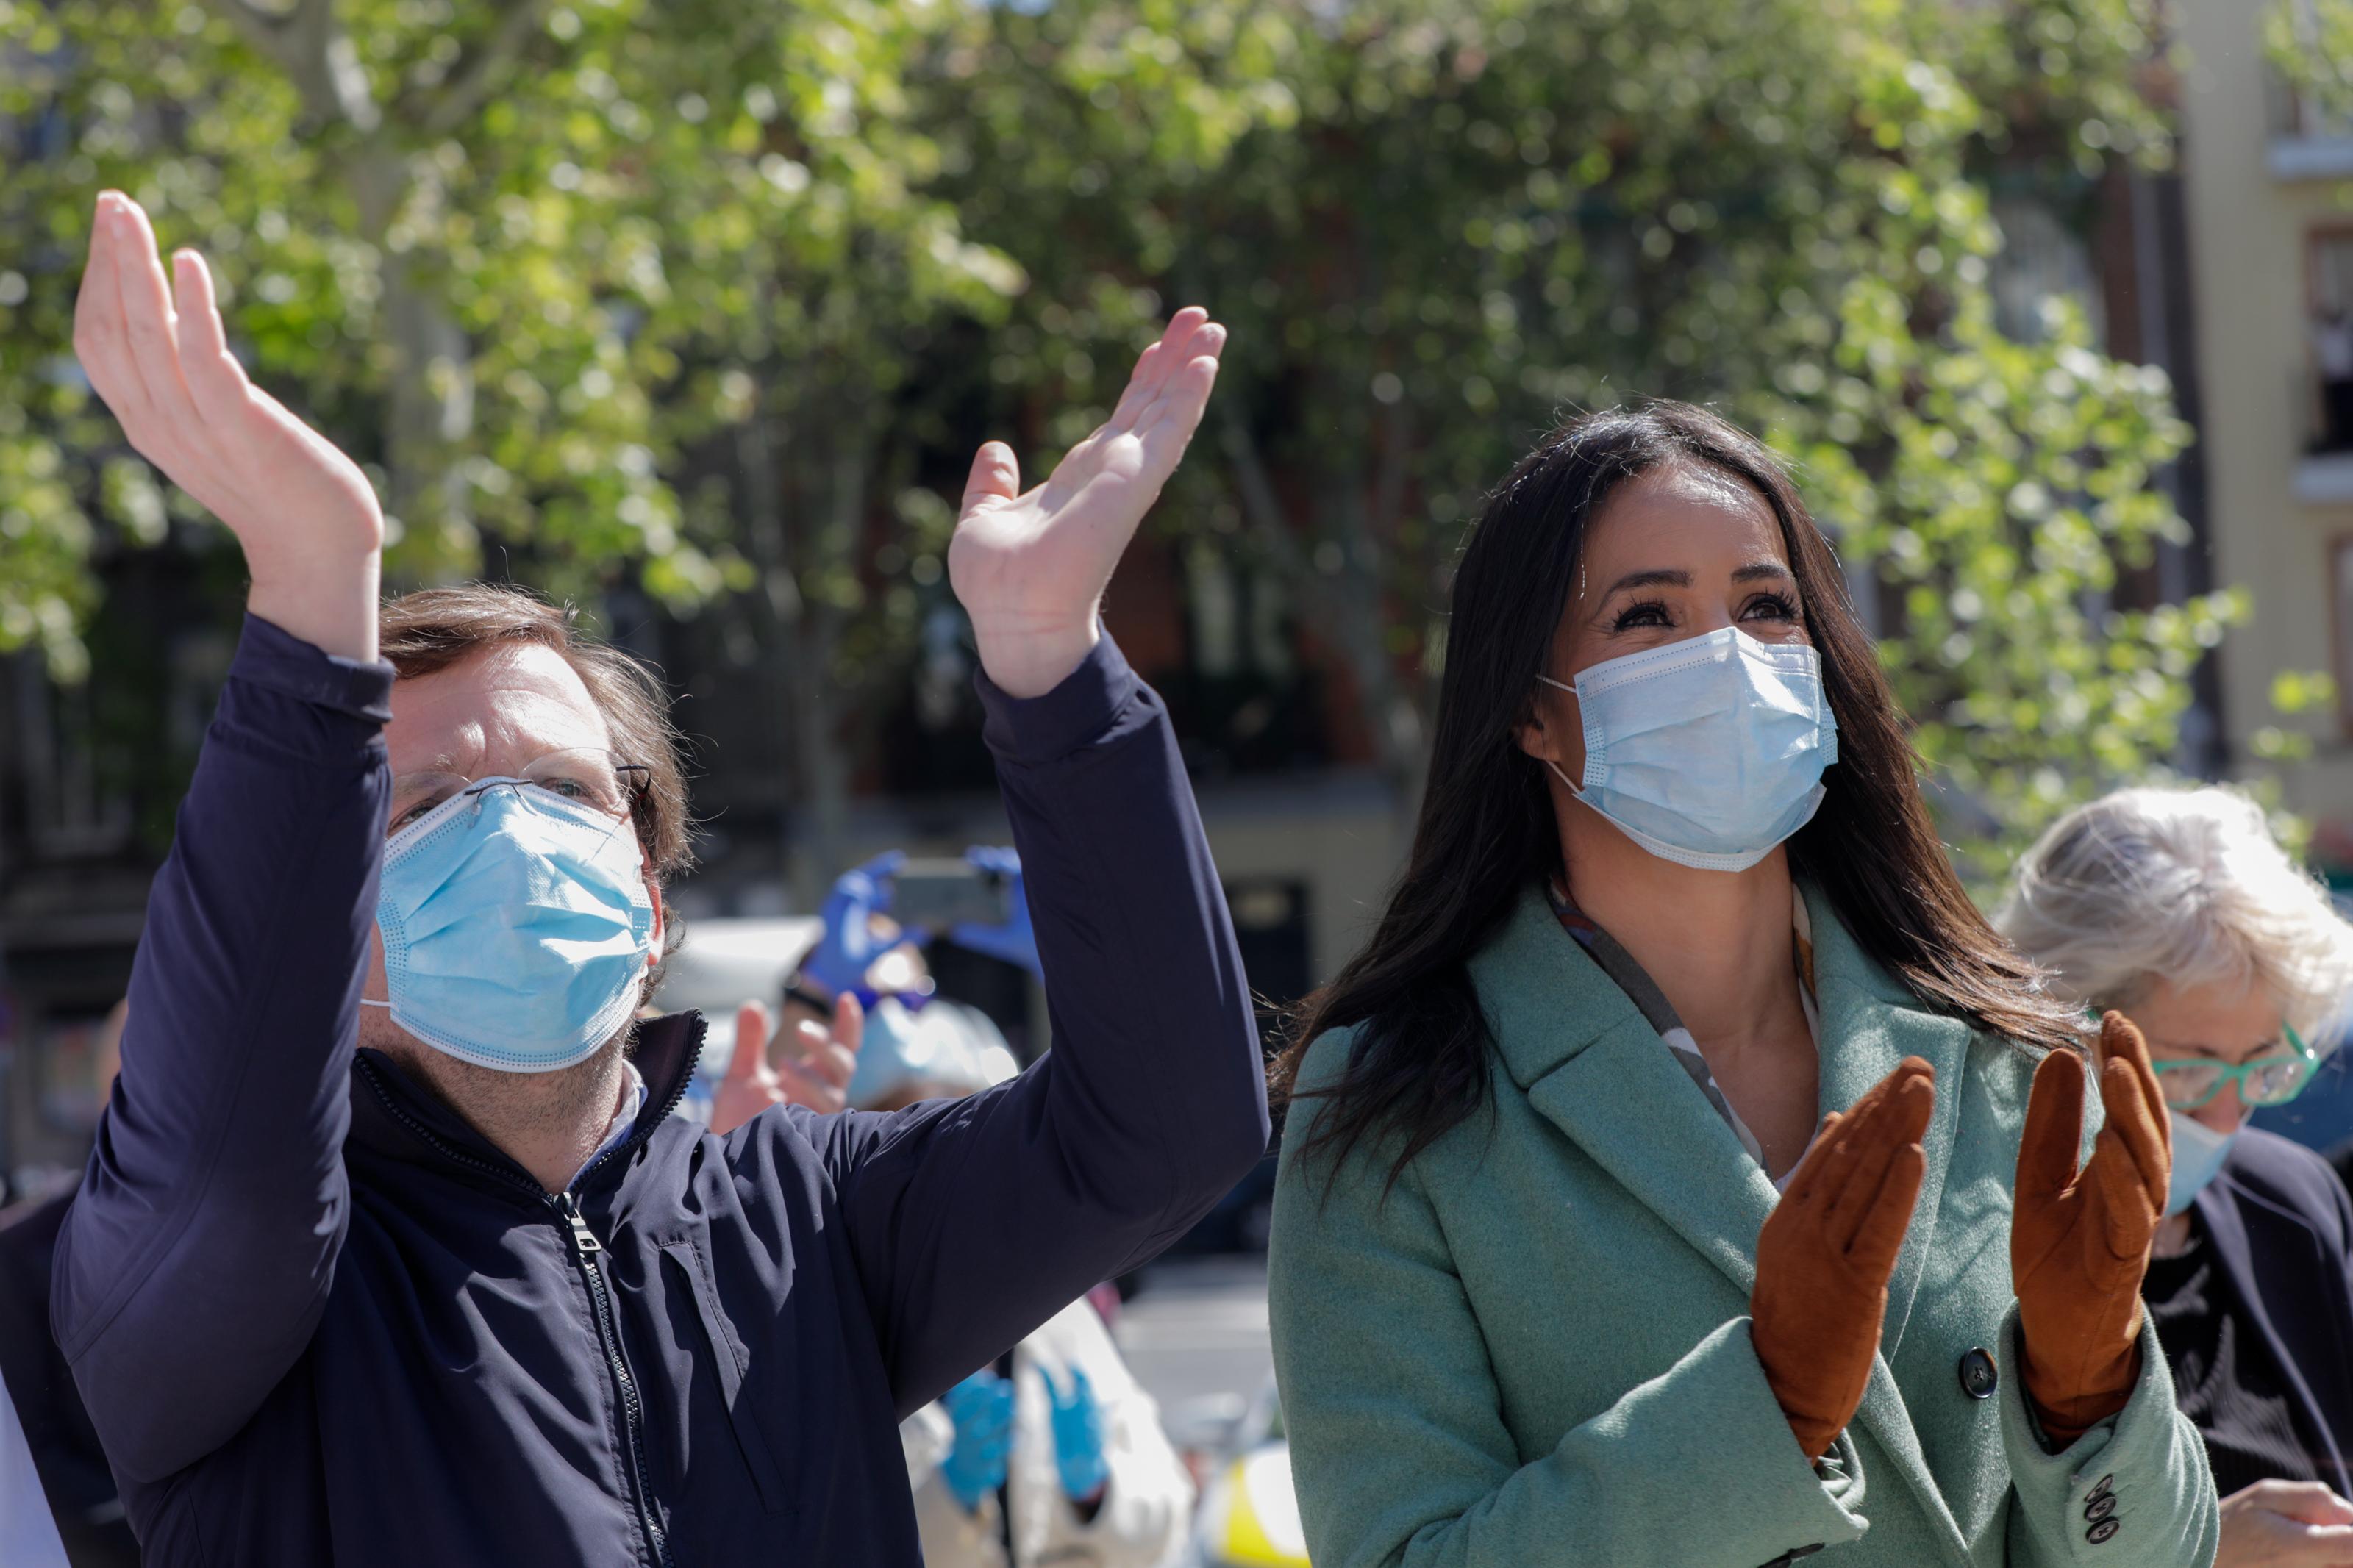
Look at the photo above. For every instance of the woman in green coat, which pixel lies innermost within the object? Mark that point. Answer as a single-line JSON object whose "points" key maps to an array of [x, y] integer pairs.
{"points": [[1569, 1266]]}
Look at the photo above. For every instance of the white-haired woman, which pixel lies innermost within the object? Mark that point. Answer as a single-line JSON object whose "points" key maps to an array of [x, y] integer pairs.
{"points": [[2178, 908]]}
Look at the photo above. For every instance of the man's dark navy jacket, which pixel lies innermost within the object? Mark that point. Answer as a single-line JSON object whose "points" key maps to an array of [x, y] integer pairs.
{"points": [[318, 1320]]}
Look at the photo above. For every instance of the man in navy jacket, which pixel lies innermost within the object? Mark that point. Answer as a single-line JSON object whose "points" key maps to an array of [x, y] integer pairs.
{"points": [[337, 1294]]}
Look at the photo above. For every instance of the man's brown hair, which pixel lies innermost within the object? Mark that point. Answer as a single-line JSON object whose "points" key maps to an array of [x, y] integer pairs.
{"points": [[434, 628]]}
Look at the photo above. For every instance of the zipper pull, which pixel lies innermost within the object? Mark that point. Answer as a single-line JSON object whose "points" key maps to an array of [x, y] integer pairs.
{"points": [[584, 1240]]}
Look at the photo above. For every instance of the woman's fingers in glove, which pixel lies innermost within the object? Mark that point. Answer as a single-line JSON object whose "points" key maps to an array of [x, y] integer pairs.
{"points": [[1875, 1211], [1862, 1174], [2054, 1136], [1890, 1113], [1879, 1225], [2134, 1102]]}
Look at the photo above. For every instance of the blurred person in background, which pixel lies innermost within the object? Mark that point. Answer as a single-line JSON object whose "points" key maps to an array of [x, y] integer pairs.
{"points": [[2178, 908], [390, 1249], [1569, 1264], [63, 1445], [1055, 1455], [864, 953]]}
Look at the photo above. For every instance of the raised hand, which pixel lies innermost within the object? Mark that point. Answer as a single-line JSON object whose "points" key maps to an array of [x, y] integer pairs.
{"points": [[306, 516], [1030, 568], [818, 1077], [1825, 1254], [2079, 1240], [847, 945]]}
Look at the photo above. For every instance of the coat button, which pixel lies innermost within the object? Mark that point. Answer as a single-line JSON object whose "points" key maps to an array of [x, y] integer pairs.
{"points": [[1978, 1378]]}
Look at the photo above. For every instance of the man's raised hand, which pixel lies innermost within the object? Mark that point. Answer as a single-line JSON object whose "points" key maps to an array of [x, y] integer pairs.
{"points": [[1030, 569], [306, 516]]}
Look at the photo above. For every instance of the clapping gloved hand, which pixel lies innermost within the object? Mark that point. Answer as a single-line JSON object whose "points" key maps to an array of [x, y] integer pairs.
{"points": [[849, 945], [1079, 1439], [1014, 941], [1824, 1255], [982, 1409], [2079, 1240]]}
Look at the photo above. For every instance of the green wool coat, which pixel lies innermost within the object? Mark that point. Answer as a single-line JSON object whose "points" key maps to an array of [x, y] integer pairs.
{"points": [[1535, 1350]]}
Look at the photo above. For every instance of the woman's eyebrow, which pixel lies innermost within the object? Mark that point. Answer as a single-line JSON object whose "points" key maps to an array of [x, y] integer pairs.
{"points": [[1656, 577], [1757, 570]]}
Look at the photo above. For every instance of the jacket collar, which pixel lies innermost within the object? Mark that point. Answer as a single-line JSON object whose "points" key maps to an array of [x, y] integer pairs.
{"points": [[395, 1115], [1592, 1065]]}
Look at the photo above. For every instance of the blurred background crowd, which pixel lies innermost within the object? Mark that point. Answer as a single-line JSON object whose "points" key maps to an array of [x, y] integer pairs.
{"points": [[690, 312]]}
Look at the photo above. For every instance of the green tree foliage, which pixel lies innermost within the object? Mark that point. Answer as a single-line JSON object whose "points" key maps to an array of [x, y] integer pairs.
{"points": [[1436, 227], [711, 294], [2310, 44], [400, 201]]}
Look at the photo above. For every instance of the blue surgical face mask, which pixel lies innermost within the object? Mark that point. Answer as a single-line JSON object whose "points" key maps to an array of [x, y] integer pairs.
{"points": [[2198, 1155], [1708, 751], [515, 927]]}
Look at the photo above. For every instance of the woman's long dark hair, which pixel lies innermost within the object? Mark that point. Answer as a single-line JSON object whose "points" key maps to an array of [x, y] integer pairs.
{"points": [[1419, 1063]]}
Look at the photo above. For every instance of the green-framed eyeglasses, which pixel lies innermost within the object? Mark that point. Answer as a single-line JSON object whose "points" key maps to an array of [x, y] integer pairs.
{"points": [[2193, 1081]]}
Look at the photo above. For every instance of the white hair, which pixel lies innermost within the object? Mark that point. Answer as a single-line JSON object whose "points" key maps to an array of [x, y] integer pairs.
{"points": [[2187, 885]]}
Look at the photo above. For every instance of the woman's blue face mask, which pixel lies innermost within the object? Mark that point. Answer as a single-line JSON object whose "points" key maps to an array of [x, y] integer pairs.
{"points": [[1708, 751], [516, 925]]}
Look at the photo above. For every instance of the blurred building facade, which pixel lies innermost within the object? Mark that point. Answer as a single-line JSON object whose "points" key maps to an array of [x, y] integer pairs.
{"points": [[2265, 174]]}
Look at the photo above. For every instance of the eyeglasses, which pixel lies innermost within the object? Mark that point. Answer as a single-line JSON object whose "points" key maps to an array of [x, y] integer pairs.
{"points": [[2193, 1081], [590, 776]]}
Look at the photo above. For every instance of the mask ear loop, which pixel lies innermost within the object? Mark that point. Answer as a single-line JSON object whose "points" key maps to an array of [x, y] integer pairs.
{"points": [[1563, 778]]}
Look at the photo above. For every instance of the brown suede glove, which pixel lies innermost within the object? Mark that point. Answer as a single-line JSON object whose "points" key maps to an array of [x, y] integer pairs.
{"points": [[2079, 1240], [1826, 1251]]}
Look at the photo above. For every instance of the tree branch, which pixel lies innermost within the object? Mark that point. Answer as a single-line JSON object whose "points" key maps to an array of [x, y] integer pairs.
{"points": [[1258, 498], [477, 75], [267, 31], [309, 44]]}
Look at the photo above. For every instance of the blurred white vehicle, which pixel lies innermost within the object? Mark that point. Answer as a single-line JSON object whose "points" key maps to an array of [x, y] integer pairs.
{"points": [[1249, 1516]]}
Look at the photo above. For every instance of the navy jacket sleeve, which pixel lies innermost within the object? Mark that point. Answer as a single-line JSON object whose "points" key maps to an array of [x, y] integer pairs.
{"points": [[973, 1223], [197, 1258]]}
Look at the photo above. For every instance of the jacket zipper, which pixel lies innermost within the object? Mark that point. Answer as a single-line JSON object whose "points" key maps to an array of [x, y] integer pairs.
{"points": [[584, 1247]]}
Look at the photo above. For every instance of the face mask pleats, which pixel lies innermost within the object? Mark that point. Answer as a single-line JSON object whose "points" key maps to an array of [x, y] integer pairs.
{"points": [[1708, 752], [515, 927]]}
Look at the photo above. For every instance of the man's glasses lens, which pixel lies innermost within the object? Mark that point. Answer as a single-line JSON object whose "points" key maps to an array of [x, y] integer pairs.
{"points": [[588, 778], [584, 776]]}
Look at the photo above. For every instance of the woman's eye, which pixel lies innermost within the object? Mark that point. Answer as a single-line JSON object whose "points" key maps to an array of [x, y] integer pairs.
{"points": [[1650, 613], [1771, 607]]}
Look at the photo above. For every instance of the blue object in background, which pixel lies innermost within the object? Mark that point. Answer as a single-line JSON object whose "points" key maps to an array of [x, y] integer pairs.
{"points": [[982, 1409], [1015, 941], [1079, 1438], [839, 960]]}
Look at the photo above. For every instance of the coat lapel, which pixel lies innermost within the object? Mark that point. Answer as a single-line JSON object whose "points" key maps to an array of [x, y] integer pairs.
{"points": [[1593, 1066]]}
